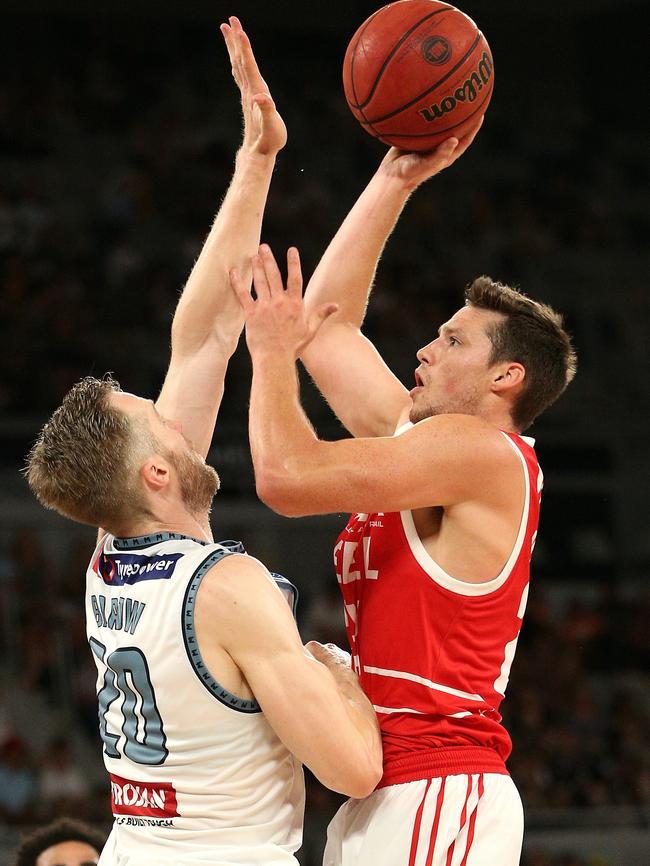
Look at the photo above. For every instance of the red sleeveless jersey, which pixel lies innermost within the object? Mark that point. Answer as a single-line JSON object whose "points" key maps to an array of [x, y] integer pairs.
{"points": [[434, 653]]}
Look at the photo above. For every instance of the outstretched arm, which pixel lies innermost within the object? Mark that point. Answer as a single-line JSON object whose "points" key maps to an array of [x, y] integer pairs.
{"points": [[346, 367], [208, 318]]}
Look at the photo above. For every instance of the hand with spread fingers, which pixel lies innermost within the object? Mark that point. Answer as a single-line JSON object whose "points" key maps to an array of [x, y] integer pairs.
{"points": [[264, 129], [276, 321], [413, 168]]}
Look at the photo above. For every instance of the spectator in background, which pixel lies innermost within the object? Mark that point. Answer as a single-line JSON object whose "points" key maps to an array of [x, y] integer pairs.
{"points": [[17, 780], [62, 843], [63, 787]]}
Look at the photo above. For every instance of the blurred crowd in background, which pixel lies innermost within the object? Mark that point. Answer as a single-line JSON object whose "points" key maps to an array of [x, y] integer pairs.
{"points": [[116, 145], [115, 159]]}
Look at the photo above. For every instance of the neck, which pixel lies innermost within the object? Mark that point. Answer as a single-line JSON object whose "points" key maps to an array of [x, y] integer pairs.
{"points": [[196, 526], [499, 416]]}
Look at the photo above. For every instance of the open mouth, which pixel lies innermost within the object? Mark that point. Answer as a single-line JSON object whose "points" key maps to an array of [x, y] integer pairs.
{"points": [[418, 380]]}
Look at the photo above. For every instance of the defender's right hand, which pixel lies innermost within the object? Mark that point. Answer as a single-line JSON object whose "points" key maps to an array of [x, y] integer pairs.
{"points": [[264, 129], [330, 655]]}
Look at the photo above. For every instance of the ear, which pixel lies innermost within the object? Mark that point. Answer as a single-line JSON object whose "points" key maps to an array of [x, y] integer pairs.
{"points": [[507, 376], [155, 474]]}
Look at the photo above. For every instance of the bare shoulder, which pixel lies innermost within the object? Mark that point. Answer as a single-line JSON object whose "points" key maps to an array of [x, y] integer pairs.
{"points": [[239, 602], [477, 457], [235, 585], [465, 431], [236, 574]]}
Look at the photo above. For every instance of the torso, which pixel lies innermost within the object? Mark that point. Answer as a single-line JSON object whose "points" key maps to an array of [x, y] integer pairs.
{"points": [[181, 747], [434, 601], [472, 540]]}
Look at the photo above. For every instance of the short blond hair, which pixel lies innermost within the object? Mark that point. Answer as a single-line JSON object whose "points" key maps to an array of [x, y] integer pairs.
{"points": [[84, 463]]}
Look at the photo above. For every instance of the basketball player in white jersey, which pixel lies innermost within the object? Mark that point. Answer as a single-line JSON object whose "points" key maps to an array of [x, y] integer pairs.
{"points": [[208, 701], [444, 494]]}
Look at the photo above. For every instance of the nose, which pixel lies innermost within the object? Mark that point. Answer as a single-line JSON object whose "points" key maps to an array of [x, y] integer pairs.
{"points": [[425, 354]]}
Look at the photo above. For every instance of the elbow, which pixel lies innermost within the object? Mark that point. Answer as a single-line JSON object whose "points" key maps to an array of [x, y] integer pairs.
{"points": [[280, 494], [361, 780], [355, 778]]}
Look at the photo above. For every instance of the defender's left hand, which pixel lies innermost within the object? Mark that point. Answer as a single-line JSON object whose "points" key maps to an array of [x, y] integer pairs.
{"points": [[264, 129], [277, 321]]}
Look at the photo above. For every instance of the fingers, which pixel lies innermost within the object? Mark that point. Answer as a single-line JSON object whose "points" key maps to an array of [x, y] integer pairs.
{"points": [[244, 66], [271, 271], [447, 148], [329, 654], [265, 103], [231, 41], [319, 651], [249, 64], [294, 273], [241, 290], [318, 318], [260, 280], [267, 280], [232, 34]]}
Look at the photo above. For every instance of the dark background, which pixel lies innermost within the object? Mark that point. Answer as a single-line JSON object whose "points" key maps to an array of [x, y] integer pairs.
{"points": [[117, 134]]}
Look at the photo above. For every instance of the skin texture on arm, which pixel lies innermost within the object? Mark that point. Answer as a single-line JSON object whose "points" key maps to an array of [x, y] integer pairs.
{"points": [[346, 367], [322, 717], [442, 461], [208, 319]]}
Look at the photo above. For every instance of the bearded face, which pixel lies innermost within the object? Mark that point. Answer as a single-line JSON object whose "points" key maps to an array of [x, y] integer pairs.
{"points": [[198, 482], [464, 401]]}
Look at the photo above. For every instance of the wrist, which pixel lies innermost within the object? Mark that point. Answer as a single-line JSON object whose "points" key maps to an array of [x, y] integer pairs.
{"points": [[393, 186], [253, 160], [271, 356]]}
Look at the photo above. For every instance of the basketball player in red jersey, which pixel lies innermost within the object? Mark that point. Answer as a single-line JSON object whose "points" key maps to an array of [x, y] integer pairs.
{"points": [[444, 493]]}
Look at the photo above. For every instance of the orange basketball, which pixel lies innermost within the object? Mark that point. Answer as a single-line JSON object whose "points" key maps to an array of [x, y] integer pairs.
{"points": [[417, 72]]}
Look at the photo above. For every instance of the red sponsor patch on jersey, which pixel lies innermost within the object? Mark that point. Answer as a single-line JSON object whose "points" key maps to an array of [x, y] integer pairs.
{"points": [[148, 799]]}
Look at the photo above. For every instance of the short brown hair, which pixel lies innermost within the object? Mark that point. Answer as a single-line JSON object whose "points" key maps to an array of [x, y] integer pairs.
{"points": [[532, 334], [82, 464]]}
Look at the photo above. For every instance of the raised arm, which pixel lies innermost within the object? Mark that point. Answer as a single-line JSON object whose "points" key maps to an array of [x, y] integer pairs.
{"points": [[208, 318], [346, 367], [445, 460], [315, 705]]}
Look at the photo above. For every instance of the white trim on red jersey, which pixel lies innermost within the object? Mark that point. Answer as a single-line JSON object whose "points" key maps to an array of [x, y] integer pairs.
{"points": [[462, 587], [414, 678]]}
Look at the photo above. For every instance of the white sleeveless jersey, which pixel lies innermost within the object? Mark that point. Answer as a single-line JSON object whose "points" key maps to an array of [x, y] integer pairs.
{"points": [[197, 774]]}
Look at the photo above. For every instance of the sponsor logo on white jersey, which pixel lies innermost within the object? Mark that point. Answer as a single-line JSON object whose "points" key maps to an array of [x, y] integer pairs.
{"points": [[118, 569], [149, 799]]}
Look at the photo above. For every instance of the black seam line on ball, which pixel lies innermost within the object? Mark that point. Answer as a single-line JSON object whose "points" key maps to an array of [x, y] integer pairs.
{"points": [[446, 129], [394, 50], [354, 54], [436, 85]]}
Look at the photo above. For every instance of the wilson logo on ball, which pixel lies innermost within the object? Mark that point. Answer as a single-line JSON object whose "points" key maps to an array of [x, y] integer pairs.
{"points": [[436, 50], [417, 72], [467, 92]]}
